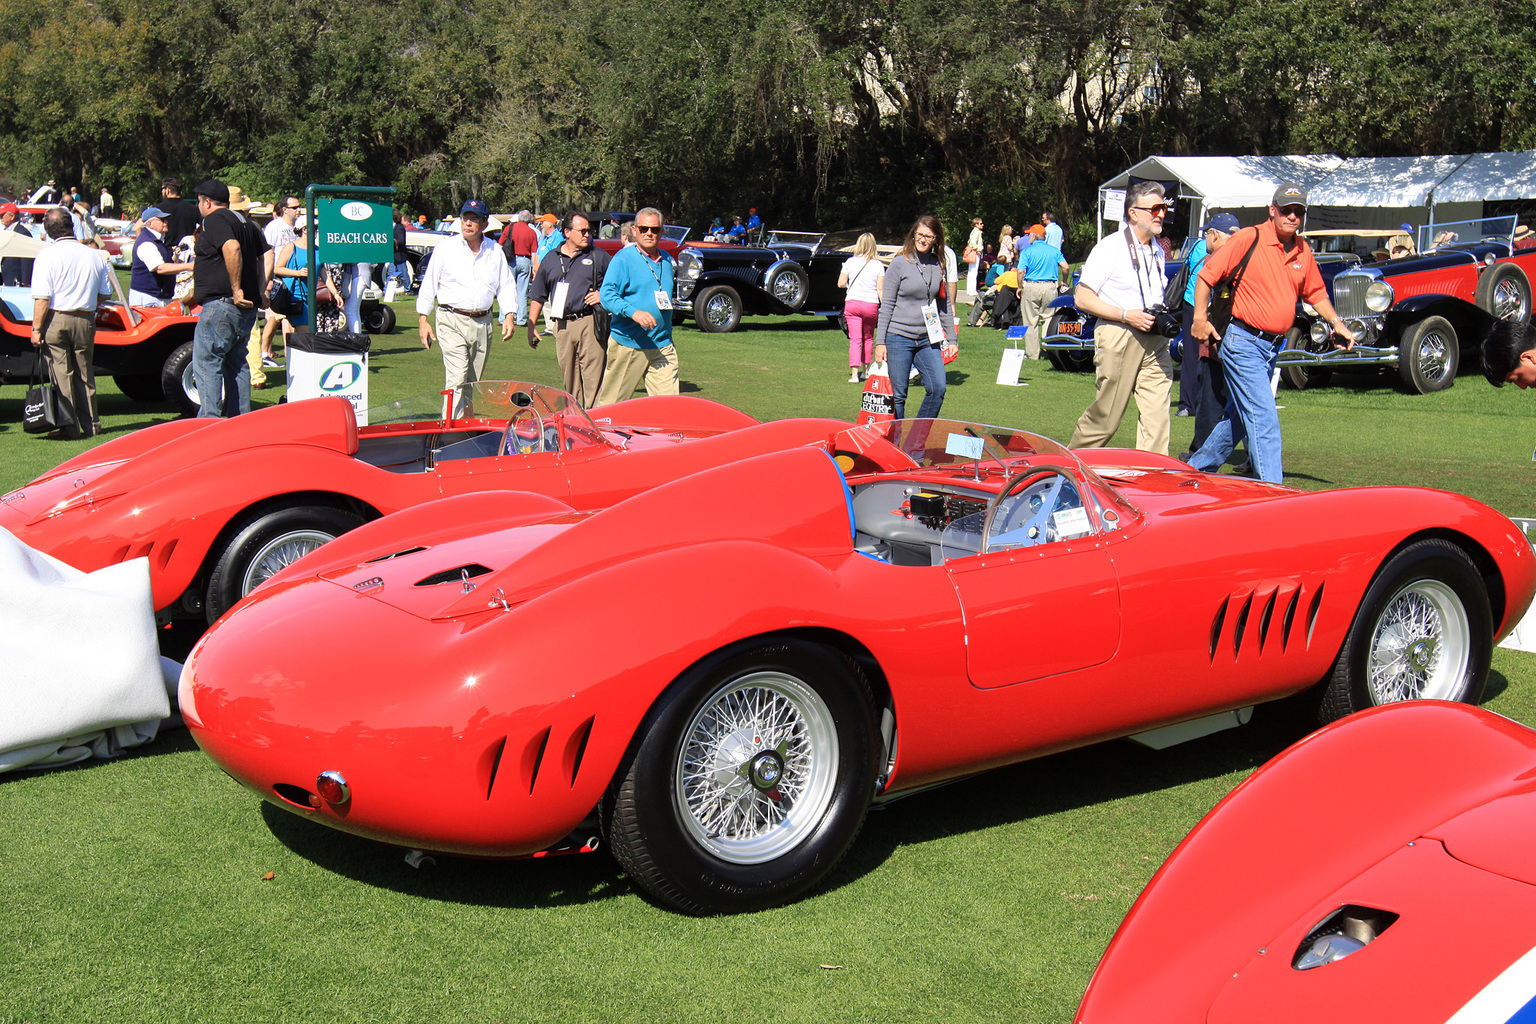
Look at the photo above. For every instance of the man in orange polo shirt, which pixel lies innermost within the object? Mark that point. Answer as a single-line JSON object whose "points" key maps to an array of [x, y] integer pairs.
{"points": [[1280, 271]]}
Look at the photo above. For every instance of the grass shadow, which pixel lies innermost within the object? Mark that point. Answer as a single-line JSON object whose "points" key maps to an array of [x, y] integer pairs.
{"points": [[507, 884]]}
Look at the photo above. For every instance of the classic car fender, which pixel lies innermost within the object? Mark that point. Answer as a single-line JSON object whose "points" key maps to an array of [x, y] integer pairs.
{"points": [[177, 519], [492, 732], [1128, 458], [673, 412], [1370, 783], [130, 445], [1470, 321]]}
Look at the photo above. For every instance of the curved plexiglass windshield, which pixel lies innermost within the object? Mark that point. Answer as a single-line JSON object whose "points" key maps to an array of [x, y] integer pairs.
{"points": [[497, 401], [946, 444]]}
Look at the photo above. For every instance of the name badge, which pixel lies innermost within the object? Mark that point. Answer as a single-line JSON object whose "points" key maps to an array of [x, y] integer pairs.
{"points": [[663, 300], [557, 300], [932, 322]]}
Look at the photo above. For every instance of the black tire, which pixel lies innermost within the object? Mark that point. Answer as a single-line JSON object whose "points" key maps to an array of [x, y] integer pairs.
{"points": [[1302, 377], [788, 282], [1443, 648], [380, 320], [1428, 355], [141, 387], [820, 705], [264, 542], [1504, 292], [717, 309], [176, 383], [1067, 360]]}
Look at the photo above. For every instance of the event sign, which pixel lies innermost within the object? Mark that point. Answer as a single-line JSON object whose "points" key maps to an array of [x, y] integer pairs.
{"points": [[354, 231]]}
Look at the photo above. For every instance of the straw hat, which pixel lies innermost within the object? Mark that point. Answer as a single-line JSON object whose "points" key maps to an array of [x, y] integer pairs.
{"points": [[238, 200]]}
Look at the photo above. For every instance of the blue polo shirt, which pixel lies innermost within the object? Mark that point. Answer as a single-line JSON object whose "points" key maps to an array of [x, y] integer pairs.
{"points": [[1196, 257], [1040, 262], [631, 284]]}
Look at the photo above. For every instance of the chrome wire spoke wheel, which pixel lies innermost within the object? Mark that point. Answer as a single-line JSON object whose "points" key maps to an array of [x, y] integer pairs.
{"points": [[756, 770], [718, 310], [1509, 300], [1420, 646], [788, 291], [278, 553], [1434, 357]]}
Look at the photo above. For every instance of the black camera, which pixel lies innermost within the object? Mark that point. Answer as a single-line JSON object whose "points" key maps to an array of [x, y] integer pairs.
{"points": [[1165, 323]]}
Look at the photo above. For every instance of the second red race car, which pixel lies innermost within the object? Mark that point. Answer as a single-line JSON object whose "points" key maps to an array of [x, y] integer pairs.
{"points": [[218, 505]]}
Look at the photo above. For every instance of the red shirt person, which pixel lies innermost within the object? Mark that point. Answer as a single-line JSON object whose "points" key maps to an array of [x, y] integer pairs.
{"points": [[1273, 267]]}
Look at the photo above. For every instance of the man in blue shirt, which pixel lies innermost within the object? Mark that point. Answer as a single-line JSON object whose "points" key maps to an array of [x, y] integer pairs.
{"points": [[1202, 385], [754, 227], [1053, 232], [1040, 264], [736, 232], [637, 291]]}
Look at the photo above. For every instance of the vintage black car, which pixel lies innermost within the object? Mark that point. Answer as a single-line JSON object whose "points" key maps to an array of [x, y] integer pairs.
{"points": [[1415, 314], [790, 273]]}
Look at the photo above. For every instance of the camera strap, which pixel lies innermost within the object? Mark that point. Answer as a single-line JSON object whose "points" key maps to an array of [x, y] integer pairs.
{"points": [[1152, 266]]}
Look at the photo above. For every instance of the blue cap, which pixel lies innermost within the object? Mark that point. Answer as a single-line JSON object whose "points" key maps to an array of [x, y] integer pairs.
{"points": [[477, 207], [1407, 228], [153, 211], [1226, 223]]}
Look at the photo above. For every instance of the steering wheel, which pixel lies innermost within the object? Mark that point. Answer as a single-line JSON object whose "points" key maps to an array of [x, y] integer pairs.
{"points": [[1027, 520], [525, 445]]}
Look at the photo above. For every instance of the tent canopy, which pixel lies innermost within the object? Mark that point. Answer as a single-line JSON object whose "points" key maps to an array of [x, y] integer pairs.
{"points": [[1490, 177], [1387, 181], [1229, 182]]}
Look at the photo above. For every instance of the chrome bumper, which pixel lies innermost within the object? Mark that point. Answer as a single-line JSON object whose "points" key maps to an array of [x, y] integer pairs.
{"points": [[1360, 355]]}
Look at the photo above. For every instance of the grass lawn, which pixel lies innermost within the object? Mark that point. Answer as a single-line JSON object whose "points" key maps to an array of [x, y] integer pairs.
{"points": [[133, 890]]}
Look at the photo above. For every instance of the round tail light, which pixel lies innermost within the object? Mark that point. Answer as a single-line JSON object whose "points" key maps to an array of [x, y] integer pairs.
{"points": [[332, 788]]}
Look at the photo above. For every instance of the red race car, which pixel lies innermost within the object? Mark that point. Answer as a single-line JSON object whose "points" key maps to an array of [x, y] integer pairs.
{"points": [[720, 674], [220, 505], [1383, 869]]}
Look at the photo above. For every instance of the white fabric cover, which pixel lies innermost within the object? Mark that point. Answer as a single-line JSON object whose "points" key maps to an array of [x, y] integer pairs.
{"points": [[80, 669]]}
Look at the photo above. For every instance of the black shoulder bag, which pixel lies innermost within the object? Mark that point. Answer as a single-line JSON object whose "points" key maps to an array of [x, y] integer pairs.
{"points": [[602, 320], [1220, 308], [42, 410]]}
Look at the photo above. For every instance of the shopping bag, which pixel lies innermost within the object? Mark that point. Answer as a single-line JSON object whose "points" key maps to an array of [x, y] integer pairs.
{"points": [[879, 403], [42, 410], [1010, 367]]}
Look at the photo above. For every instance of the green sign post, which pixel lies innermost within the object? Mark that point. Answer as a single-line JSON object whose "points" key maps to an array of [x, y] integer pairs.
{"points": [[349, 224]]}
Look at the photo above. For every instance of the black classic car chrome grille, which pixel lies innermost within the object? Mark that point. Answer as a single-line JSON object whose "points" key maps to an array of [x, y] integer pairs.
{"points": [[1349, 294]]}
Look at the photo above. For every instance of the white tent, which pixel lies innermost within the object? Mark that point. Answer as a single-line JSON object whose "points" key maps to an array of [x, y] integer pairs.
{"points": [[1489, 177], [1381, 192], [1208, 184]]}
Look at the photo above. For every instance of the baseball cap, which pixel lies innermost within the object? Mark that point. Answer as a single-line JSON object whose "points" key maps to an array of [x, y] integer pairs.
{"points": [[1038, 230], [149, 213], [547, 218], [1226, 223], [1290, 194], [214, 189], [301, 222], [9, 208], [476, 207]]}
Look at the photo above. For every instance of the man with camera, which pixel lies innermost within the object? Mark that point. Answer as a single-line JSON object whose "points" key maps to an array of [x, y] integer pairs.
{"points": [[1271, 267], [1122, 285]]}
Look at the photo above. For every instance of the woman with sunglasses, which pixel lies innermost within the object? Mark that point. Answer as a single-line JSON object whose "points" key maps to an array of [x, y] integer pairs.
{"points": [[915, 317]]}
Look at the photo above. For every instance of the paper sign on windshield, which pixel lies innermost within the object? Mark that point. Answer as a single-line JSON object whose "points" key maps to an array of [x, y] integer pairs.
{"points": [[1071, 522], [965, 446]]}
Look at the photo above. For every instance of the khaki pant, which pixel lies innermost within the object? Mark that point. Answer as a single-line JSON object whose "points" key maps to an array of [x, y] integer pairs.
{"points": [[253, 355], [70, 344], [581, 357], [626, 366], [1126, 363], [466, 342], [1034, 301]]}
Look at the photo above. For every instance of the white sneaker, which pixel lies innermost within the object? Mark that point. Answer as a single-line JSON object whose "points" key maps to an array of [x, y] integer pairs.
{"points": [[854, 378], [914, 375]]}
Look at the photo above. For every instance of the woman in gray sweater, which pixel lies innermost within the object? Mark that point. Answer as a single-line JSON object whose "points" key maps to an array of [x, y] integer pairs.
{"points": [[912, 286]]}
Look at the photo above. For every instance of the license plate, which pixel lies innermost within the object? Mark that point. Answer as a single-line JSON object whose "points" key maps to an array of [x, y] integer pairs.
{"points": [[1072, 327]]}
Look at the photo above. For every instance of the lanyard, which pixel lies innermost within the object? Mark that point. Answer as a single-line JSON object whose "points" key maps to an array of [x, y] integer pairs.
{"points": [[649, 266], [1136, 265]]}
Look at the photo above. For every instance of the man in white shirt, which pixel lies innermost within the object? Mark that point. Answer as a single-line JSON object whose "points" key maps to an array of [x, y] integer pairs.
{"points": [[68, 280], [1053, 232], [152, 272], [1121, 278], [466, 276]]}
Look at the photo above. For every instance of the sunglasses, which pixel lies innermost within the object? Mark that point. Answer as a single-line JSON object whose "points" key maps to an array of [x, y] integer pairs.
{"points": [[648, 229], [1293, 211], [1156, 209], [582, 231]]}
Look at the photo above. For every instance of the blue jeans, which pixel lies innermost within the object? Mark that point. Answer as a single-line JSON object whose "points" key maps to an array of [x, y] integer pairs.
{"points": [[901, 354], [219, 344], [1249, 363], [399, 272], [522, 270]]}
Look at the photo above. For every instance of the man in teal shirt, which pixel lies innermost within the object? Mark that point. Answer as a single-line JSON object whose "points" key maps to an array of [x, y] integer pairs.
{"points": [[637, 291]]}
